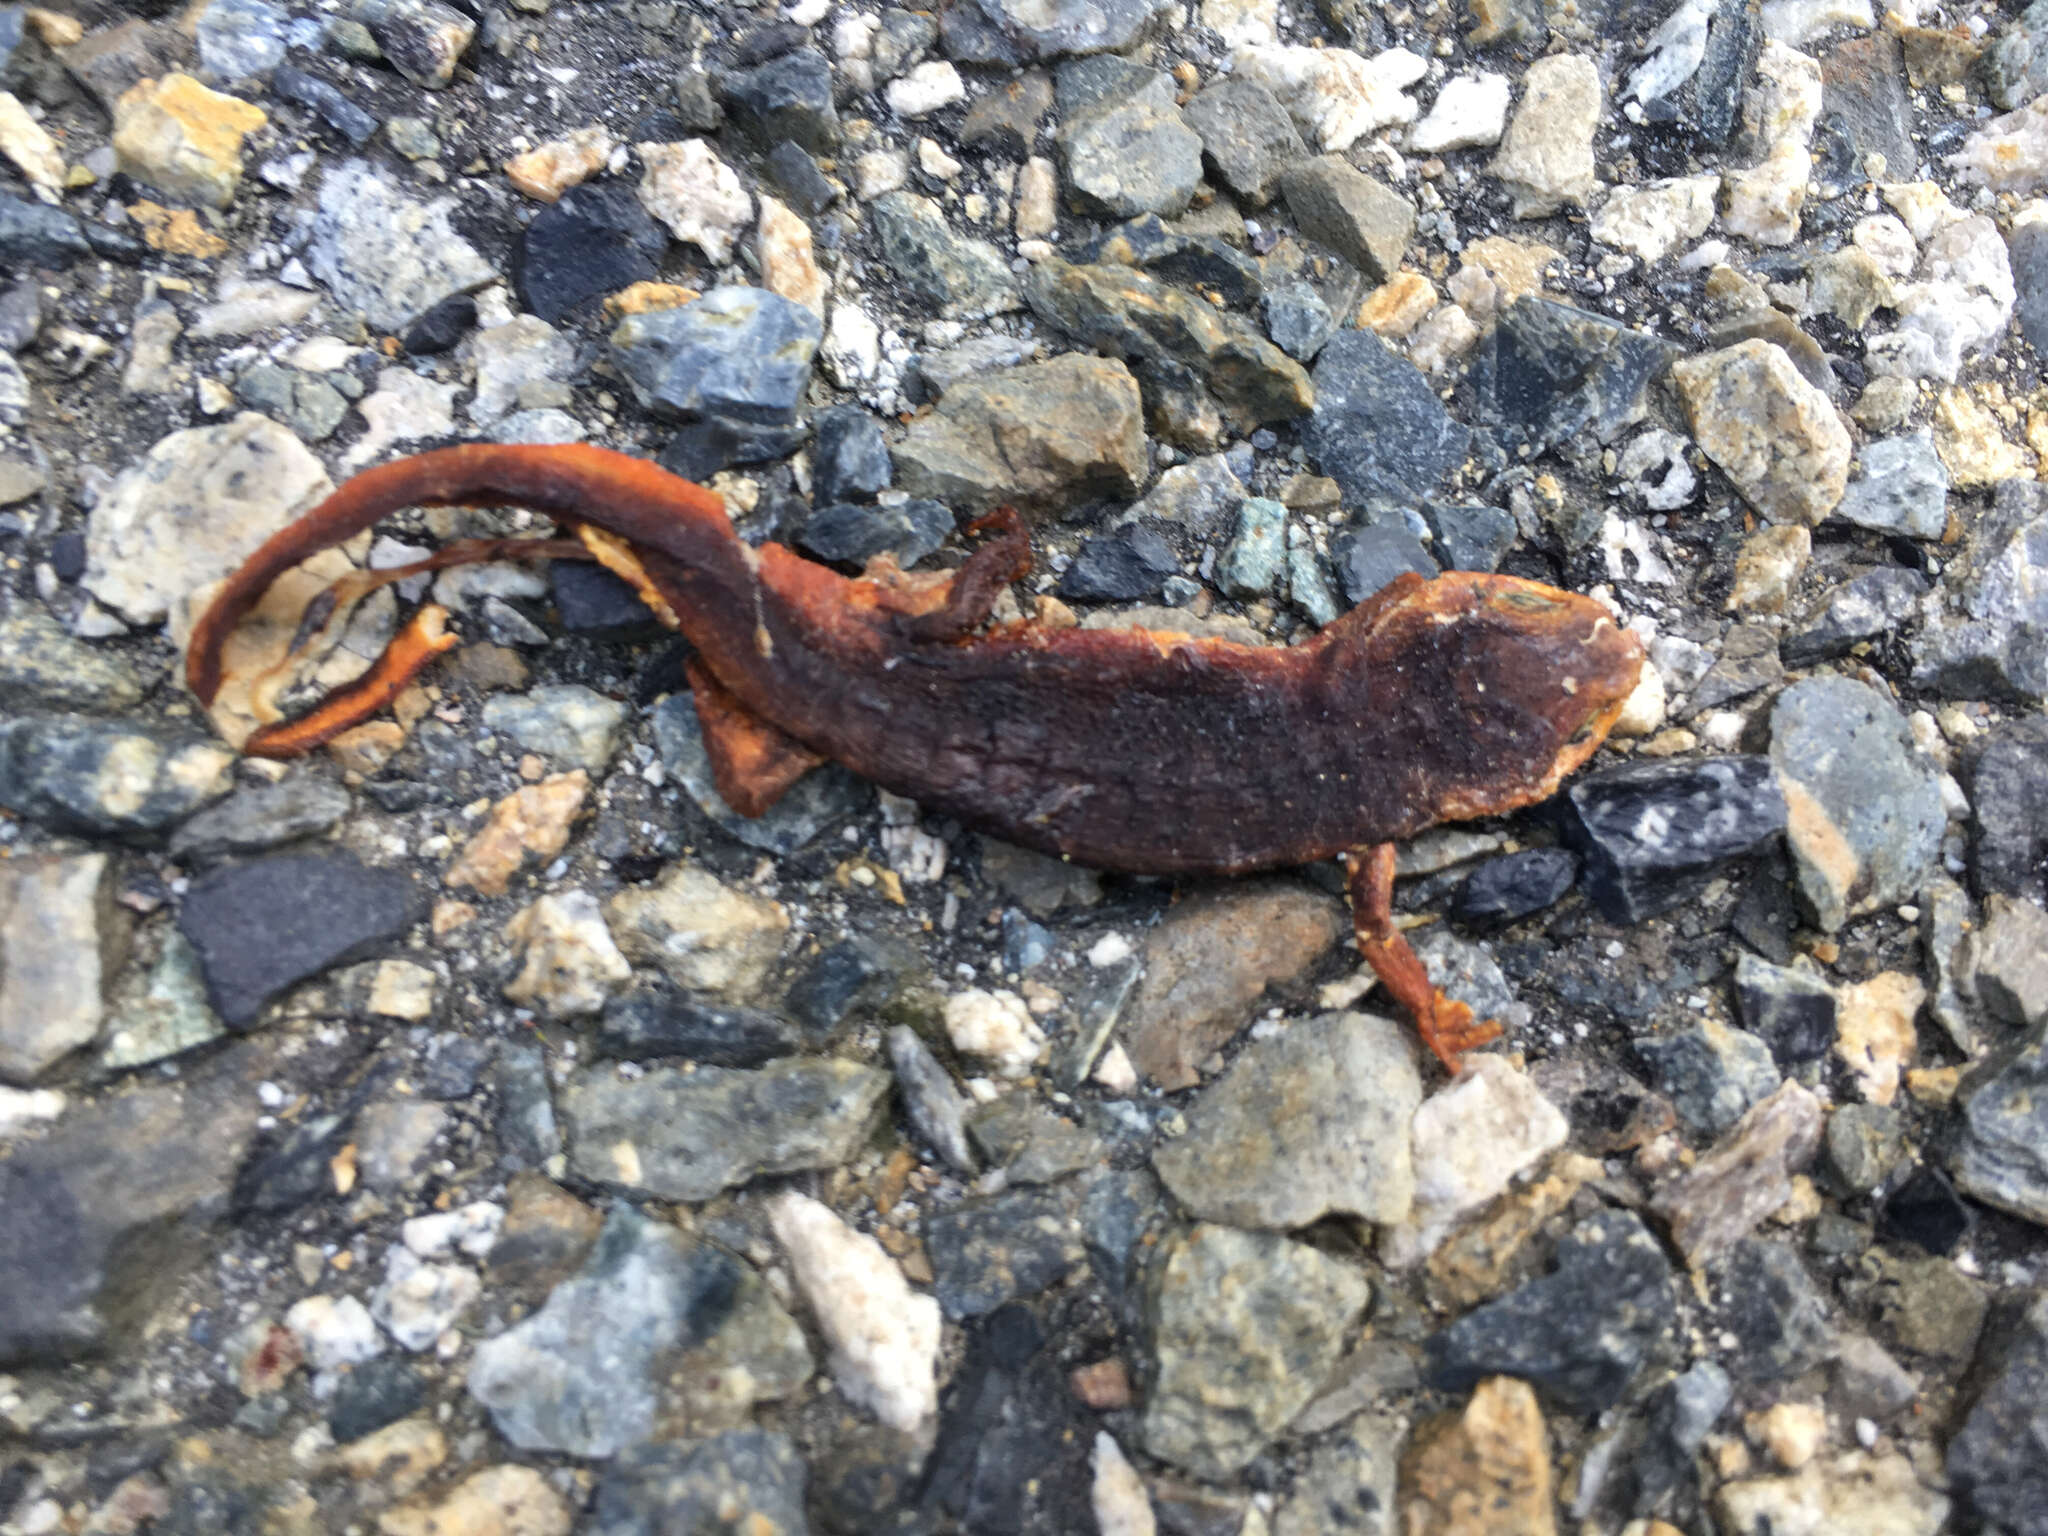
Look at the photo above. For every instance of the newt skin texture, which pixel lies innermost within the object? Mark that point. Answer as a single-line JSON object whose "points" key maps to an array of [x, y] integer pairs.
{"points": [[1129, 750]]}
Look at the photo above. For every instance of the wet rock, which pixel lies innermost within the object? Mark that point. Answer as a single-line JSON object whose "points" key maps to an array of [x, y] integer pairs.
{"points": [[1126, 564], [1653, 834], [853, 533], [1864, 608], [680, 1135], [1123, 145], [743, 353], [595, 240], [1470, 1139], [1378, 428], [264, 926], [1304, 1124], [97, 777], [1247, 136], [1210, 960], [1711, 1073], [1792, 1011], [1126, 313], [884, 1337], [1245, 1327], [1865, 818], [196, 506], [745, 1479], [1775, 435], [1485, 1471], [184, 139], [1744, 1177], [261, 816], [1925, 1211], [592, 601], [961, 278], [1580, 1333], [382, 253], [786, 98], [1040, 436], [1546, 154], [1365, 222], [1548, 372], [821, 798], [73, 1201]]}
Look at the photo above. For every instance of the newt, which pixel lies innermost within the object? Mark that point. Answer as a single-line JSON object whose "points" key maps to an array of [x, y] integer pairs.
{"points": [[1130, 750]]}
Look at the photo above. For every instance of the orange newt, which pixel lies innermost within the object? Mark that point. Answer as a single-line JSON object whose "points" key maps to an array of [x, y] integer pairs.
{"points": [[1140, 751]]}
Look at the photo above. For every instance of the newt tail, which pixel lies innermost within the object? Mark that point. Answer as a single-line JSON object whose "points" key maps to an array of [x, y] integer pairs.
{"points": [[1141, 751]]}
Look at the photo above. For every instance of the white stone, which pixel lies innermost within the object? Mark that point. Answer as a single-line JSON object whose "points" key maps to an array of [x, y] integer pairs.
{"points": [[705, 935], [808, 13], [1653, 219], [1442, 339], [883, 1336], [1643, 711], [1038, 187], [570, 964], [997, 1027], [879, 172], [1336, 97], [196, 507], [933, 160], [789, 266], [1470, 1138], [1122, 1507], [1795, 21], [1922, 206], [697, 195], [418, 1301], [852, 348], [1886, 241], [334, 1331], [404, 407], [1241, 23], [1469, 113], [472, 1229], [1654, 466], [524, 350], [2009, 153], [1546, 155], [21, 1108], [1674, 52], [853, 36], [931, 87], [1962, 304], [24, 141], [1780, 111]]}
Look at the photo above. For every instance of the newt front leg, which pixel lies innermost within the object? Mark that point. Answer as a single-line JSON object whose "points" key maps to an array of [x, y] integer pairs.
{"points": [[1446, 1027]]}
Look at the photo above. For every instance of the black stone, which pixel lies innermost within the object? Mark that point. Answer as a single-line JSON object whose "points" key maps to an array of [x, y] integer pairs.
{"points": [[1766, 915], [1868, 607], [1705, 106], [1653, 834], [786, 98], [987, 1252], [1201, 262], [1472, 537], [441, 327], [1122, 565], [325, 102], [739, 1480], [1925, 1210], [696, 104], [1547, 373], [1778, 1317], [1995, 1466], [67, 556], [853, 534], [34, 235], [1368, 558], [1579, 1334], [770, 41], [594, 602], [1378, 428], [1026, 944], [656, 1022], [2028, 244], [451, 1066], [596, 240], [1864, 110], [701, 448], [1662, 1444], [1297, 319], [1509, 888], [2009, 799], [849, 456], [806, 188], [296, 1170], [1790, 1011], [836, 982], [264, 926], [375, 1393]]}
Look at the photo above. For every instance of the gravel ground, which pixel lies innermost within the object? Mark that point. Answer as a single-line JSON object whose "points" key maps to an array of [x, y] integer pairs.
{"points": [[477, 1127]]}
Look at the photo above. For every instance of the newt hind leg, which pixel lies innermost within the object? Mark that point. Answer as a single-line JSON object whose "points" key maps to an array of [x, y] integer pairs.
{"points": [[1004, 558], [1447, 1027]]}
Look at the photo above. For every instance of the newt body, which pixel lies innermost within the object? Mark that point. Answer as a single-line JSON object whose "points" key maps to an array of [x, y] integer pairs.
{"points": [[1128, 750]]}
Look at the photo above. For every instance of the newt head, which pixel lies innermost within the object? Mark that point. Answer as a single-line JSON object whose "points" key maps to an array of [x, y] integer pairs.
{"points": [[1510, 684]]}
